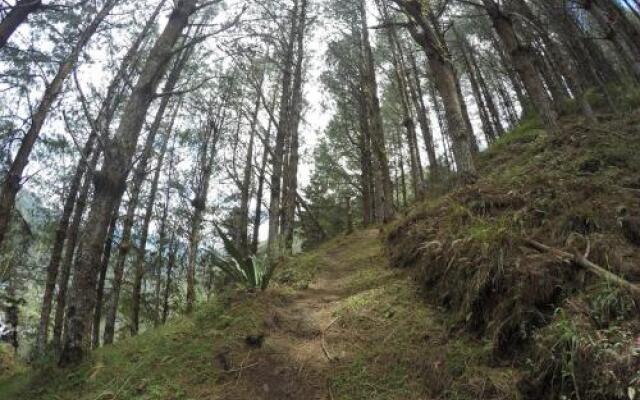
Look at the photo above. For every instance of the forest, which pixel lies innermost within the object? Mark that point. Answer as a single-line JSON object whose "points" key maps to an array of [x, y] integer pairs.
{"points": [[319, 199]]}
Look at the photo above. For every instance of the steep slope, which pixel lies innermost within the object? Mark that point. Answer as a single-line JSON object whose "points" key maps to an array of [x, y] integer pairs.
{"points": [[354, 329], [570, 332]]}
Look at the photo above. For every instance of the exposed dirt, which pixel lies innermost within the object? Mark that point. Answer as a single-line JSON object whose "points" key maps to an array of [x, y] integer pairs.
{"points": [[295, 361]]}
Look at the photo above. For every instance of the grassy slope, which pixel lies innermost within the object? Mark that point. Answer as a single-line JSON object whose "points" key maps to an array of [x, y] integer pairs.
{"points": [[384, 341], [569, 332]]}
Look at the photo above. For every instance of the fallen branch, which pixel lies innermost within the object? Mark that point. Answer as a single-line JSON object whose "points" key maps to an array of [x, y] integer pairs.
{"points": [[231, 371], [582, 261], [323, 344]]}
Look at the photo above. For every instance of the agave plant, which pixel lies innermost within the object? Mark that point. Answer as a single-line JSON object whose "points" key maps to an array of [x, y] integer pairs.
{"points": [[253, 272]]}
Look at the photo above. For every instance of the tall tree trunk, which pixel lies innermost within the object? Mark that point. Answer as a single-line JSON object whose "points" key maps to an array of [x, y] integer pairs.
{"points": [[162, 239], [139, 175], [487, 128], [257, 217], [447, 84], [627, 51], [110, 182], [401, 78], [12, 181], [366, 183], [566, 65], [105, 115], [58, 244], [104, 267], [67, 261], [289, 198], [173, 245], [523, 59], [442, 125], [628, 31], [510, 71], [139, 264], [378, 144], [283, 130], [403, 180], [245, 192], [417, 96], [199, 202], [16, 17]]}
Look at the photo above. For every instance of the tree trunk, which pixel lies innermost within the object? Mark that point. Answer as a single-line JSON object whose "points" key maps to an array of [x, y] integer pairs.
{"points": [[167, 290], [110, 182], [16, 17], [12, 181], [415, 88], [139, 176], [566, 65], [510, 71], [370, 89], [106, 256], [289, 198], [523, 60], [401, 78], [245, 192], [283, 130], [199, 202], [446, 82], [627, 51], [162, 239], [257, 217], [68, 259], [139, 264], [58, 244], [491, 105], [366, 178], [487, 128]]}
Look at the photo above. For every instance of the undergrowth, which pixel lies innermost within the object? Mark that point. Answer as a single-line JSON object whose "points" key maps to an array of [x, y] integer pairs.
{"points": [[570, 333]]}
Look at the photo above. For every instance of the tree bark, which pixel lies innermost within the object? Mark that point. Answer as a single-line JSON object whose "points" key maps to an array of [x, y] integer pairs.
{"points": [[12, 181], [283, 130], [487, 128], [104, 267], [167, 290], [245, 192], [446, 82], [491, 105], [16, 17], [417, 95], [523, 59], [378, 143], [58, 244], [289, 198], [67, 262], [199, 202], [139, 264], [257, 217], [110, 182]]}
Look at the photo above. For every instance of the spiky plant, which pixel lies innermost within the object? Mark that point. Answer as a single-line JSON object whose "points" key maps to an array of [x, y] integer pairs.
{"points": [[253, 272]]}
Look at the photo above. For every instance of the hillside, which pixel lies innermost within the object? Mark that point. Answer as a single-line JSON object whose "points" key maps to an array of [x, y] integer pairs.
{"points": [[567, 330], [448, 302], [358, 331]]}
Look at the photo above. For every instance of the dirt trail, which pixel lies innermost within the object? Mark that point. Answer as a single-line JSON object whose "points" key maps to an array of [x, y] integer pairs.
{"points": [[296, 360]]}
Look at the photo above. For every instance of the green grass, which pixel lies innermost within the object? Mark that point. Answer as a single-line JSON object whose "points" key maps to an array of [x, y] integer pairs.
{"points": [[172, 362]]}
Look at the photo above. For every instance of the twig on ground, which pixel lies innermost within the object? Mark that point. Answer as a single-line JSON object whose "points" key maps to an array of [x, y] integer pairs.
{"points": [[323, 344]]}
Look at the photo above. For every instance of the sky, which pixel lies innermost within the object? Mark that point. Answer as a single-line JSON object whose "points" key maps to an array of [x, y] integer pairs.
{"points": [[95, 77]]}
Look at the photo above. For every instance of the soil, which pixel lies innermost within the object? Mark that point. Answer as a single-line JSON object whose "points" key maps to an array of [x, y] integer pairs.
{"points": [[295, 361]]}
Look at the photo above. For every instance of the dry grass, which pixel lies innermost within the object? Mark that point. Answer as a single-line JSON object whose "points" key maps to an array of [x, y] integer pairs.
{"points": [[562, 191]]}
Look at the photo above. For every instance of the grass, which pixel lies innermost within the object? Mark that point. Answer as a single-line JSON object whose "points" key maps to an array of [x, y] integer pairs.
{"points": [[562, 190], [172, 362]]}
